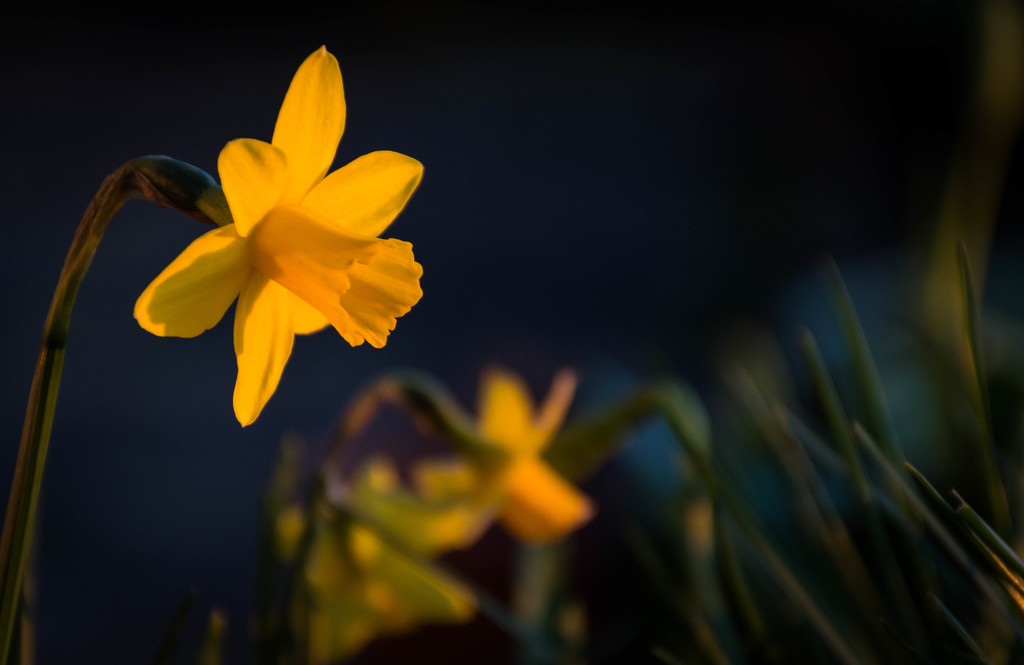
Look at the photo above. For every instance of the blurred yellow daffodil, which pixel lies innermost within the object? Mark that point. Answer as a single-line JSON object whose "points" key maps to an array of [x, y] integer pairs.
{"points": [[369, 570], [361, 588], [532, 500], [303, 251], [427, 525], [362, 584]]}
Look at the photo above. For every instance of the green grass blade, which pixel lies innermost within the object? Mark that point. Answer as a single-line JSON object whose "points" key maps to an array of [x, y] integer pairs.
{"points": [[751, 623], [993, 481], [165, 654], [907, 648], [212, 650], [579, 448], [282, 489], [697, 449], [839, 424], [1003, 556], [958, 628], [790, 582], [542, 601], [683, 605], [869, 385], [664, 656], [820, 518], [914, 509], [917, 572]]}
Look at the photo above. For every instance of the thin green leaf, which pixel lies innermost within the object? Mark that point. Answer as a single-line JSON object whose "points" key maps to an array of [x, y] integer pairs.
{"points": [[786, 578], [914, 509], [212, 650], [929, 490], [541, 600], [663, 655], [282, 489], [958, 628], [580, 447], [838, 423], [432, 407], [993, 480], [906, 510], [916, 571], [698, 450], [165, 654], [737, 588], [687, 417], [686, 607], [905, 646], [1003, 556], [820, 518], [865, 372]]}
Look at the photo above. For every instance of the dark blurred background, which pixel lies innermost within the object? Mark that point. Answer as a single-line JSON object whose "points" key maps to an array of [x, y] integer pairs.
{"points": [[605, 189]]}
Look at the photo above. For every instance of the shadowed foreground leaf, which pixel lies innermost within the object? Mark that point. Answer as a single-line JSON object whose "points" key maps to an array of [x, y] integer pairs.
{"points": [[165, 654]]}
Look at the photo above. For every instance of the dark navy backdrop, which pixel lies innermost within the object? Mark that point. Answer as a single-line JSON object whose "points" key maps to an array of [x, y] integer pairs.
{"points": [[602, 189]]}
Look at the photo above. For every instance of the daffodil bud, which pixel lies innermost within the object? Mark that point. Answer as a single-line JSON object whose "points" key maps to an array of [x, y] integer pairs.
{"points": [[181, 186]]}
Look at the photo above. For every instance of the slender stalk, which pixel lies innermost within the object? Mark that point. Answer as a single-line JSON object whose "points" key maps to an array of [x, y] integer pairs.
{"points": [[959, 629], [998, 503], [169, 645], [723, 490], [163, 181], [429, 403], [869, 384], [838, 423]]}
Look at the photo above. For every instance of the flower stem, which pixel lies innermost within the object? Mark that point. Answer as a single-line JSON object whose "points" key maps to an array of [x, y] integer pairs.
{"points": [[145, 178]]}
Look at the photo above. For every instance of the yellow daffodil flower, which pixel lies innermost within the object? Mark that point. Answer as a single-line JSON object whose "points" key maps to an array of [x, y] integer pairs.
{"points": [[303, 251], [361, 585], [533, 501], [361, 588], [425, 525]]}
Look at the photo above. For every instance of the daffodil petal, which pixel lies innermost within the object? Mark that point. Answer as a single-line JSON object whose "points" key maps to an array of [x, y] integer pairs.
{"points": [[444, 479], [506, 413], [193, 292], [307, 254], [306, 319], [423, 526], [552, 411], [263, 342], [407, 593], [311, 121], [382, 289], [338, 628], [253, 176], [540, 506], [366, 195], [361, 284], [329, 571]]}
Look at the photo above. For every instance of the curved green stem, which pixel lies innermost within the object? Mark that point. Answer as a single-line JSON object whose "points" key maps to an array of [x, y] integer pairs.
{"points": [[163, 181]]}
